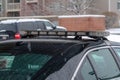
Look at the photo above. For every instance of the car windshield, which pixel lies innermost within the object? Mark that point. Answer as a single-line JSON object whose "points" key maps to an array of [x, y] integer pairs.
{"points": [[8, 27]]}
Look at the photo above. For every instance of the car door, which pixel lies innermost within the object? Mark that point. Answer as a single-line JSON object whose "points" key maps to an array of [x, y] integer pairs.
{"points": [[40, 25], [97, 64]]}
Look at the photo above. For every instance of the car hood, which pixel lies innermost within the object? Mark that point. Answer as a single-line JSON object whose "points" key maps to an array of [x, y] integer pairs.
{"points": [[60, 27]]}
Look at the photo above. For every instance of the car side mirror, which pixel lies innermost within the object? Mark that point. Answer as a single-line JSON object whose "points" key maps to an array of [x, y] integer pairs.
{"points": [[54, 27]]}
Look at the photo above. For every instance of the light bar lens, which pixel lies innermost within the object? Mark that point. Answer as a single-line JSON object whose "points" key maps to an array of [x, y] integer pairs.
{"points": [[68, 33], [99, 34]]}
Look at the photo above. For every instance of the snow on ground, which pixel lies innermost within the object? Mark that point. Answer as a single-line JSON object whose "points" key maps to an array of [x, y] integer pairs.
{"points": [[114, 34], [115, 38]]}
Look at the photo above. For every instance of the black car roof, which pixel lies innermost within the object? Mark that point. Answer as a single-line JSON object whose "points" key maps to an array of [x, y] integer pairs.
{"points": [[60, 41]]}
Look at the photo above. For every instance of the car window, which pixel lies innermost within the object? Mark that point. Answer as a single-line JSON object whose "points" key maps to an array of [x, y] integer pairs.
{"points": [[6, 62], [86, 72], [104, 64], [8, 27], [48, 25], [40, 25], [26, 26], [98, 65], [117, 50]]}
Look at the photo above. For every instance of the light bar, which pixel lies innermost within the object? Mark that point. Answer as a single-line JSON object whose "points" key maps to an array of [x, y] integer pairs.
{"points": [[68, 33]]}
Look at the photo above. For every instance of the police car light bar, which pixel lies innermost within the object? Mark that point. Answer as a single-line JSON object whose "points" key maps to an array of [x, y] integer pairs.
{"points": [[68, 33]]}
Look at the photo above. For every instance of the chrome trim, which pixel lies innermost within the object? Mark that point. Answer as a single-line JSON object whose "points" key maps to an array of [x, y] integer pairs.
{"points": [[116, 46]]}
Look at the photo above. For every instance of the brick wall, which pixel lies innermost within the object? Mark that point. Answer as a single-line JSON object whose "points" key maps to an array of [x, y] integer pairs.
{"points": [[83, 23]]}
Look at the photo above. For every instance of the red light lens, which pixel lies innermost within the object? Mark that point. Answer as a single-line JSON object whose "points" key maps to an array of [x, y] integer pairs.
{"points": [[17, 36]]}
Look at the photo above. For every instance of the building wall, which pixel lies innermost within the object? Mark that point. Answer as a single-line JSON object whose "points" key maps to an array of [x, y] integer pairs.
{"points": [[43, 7], [114, 8], [56, 7], [1, 7], [101, 6], [2, 12], [108, 6], [31, 9], [104, 6]]}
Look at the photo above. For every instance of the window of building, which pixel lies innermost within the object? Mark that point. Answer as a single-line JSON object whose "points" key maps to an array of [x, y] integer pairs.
{"points": [[0, 7], [31, 1], [13, 1], [118, 5], [11, 14]]}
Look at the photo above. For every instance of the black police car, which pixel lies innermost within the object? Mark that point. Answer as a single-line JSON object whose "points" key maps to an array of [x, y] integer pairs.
{"points": [[78, 58]]}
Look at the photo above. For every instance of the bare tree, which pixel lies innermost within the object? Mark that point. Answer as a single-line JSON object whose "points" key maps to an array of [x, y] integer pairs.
{"points": [[111, 19], [79, 6]]}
